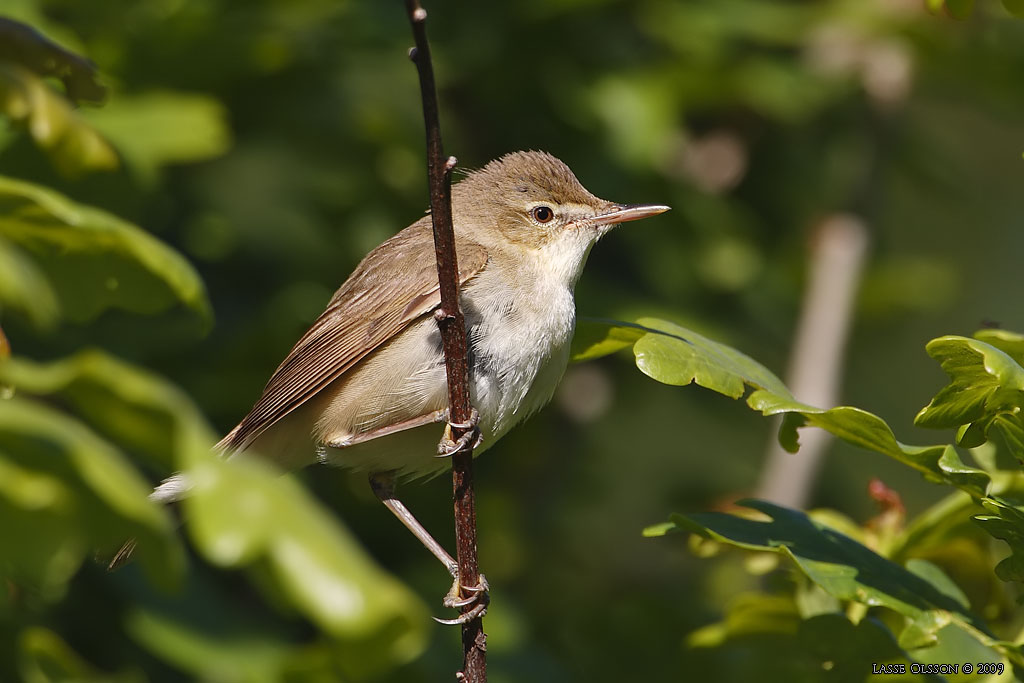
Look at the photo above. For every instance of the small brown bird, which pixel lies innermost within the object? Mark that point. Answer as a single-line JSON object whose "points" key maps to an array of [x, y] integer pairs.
{"points": [[363, 387]]}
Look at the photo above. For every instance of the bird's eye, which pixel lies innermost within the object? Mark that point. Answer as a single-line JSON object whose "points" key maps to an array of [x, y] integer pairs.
{"points": [[542, 214]]}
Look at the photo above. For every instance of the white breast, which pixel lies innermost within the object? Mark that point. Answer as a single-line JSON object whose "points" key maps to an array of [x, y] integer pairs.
{"points": [[520, 335]]}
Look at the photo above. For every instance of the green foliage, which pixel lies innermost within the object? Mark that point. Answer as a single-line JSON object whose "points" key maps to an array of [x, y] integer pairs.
{"points": [[71, 490], [156, 129], [26, 58], [95, 260], [69, 430], [983, 400], [851, 572]]}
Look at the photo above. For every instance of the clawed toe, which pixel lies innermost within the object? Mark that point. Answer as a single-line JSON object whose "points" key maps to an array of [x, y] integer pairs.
{"points": [[457, 598], [472, 438]]}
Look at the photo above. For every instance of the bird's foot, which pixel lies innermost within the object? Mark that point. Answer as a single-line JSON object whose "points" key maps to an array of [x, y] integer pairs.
{"points": [[462, 596], [470, 439]]}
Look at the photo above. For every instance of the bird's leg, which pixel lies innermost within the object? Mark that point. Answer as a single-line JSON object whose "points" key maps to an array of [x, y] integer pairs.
{"points": [[449, 447], [383, 485]]}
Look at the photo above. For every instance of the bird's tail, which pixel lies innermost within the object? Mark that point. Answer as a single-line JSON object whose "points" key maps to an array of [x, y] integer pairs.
{"points": [[170, 490]]}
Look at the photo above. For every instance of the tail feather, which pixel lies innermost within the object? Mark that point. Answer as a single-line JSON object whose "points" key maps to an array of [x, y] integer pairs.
{"points": [[170, 490]]}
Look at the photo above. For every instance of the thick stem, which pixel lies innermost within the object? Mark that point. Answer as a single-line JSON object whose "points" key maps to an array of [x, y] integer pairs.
{"points": [[453, 334]]}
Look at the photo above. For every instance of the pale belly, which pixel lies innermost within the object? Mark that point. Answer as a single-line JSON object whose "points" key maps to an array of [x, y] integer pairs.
{"points": [[516, 366]]}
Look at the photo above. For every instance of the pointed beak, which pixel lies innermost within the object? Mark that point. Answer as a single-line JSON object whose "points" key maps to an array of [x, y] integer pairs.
{"points": [[622, 213]]}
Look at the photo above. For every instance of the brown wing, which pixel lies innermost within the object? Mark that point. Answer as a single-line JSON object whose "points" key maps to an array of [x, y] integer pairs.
{"points": [[395, 284]]}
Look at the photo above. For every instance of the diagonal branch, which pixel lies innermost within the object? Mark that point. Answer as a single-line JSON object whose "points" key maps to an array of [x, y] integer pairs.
{"points": [[453, 334]]}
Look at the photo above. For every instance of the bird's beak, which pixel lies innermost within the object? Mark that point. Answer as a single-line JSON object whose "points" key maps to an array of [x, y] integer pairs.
{"points": [[622, 213]]}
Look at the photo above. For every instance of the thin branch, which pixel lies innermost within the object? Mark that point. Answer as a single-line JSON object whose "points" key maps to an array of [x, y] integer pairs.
{"points": [[453, 334]]}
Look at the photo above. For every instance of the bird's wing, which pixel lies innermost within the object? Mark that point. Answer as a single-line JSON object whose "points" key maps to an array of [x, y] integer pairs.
{"points": [[394, 285]]}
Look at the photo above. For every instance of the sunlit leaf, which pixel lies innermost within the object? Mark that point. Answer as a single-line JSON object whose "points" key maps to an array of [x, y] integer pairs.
{"points": [[1010, 343], [675, 355], [985, 380], [595, 338], [95, 260], [72, 144], [161, 128]]}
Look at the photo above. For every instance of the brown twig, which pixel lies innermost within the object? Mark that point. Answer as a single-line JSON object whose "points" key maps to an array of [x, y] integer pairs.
{"points": [[453, 334]]}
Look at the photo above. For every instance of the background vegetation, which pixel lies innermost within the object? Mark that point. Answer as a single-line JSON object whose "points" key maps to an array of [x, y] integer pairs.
{"points": [[160, 253]]}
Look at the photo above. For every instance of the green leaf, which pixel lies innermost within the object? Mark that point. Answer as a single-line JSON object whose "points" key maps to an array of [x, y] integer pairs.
{"points": [[985, 397], [849, 571], [777, 645], [127, 404], [22, 44], [24, 288], [240, 512], [241, 509], [95, 260], [861, 428], [596, 337], [1010, 343], [42, 540], [675, 355], [44, 658], [73, 145], [160, 128], [985, 380], [101, 498]]}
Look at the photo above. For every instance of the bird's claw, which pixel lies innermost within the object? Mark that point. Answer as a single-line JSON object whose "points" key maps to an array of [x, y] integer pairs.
{"points": [[454, 600], [470, 439]]}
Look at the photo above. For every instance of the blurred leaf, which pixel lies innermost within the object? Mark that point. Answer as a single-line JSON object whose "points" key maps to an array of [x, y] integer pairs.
{"points": [[24, 45], [848, 570], [24, 288], [94, 259], [1014, 7], [73, 145], [938, 578], [45, 658], [109, 500], [41, 528], [161, 128], [763, 638], [240, 509], [909, 284], [125, 403], [239, 653], [959, 9]]}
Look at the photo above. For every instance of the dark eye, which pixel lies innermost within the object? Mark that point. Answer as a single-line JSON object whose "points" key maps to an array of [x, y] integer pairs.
{"points": [[542, 214]]}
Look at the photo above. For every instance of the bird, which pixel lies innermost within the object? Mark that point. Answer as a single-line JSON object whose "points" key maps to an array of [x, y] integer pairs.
{"points": [[365, 387]]}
